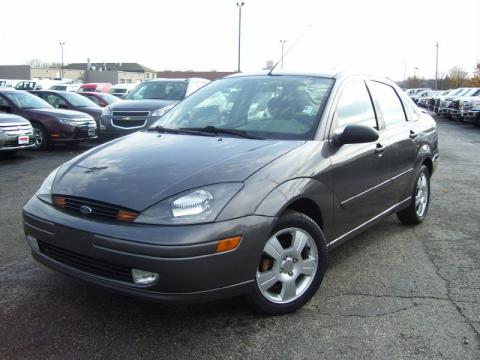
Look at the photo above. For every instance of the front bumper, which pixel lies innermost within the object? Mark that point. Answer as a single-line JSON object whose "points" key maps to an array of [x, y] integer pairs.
{"points": [[471, 115], [11, 142], [184, 256], [456, 113], [73, 133]]}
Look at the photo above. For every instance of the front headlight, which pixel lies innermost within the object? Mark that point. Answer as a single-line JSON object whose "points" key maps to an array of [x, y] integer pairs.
{"points": [[45, 191], [106, 111], [475, 106], [68, 121], [195, 206]]}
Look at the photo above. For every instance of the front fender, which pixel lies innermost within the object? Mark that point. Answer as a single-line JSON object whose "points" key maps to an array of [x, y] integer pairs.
{"points": [[301, 188]]}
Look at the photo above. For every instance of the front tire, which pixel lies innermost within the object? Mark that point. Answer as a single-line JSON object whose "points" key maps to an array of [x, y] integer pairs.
{"points": [[291, 266], [416, 212], [40, 135]]}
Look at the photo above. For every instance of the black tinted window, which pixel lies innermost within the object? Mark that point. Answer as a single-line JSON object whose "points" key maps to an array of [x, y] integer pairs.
{"points": [[355, 106], [387, 99]]}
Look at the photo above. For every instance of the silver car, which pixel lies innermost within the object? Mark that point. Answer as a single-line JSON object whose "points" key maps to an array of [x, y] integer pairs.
{"points": [[16, 133]]}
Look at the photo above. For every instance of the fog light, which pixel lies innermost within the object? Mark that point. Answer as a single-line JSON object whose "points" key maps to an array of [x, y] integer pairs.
{"points": [[33, 242], [103, 127], [143, 277]]}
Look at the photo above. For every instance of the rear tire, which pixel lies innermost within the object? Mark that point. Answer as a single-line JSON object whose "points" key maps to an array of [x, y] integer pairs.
{"points": [[416, 212], [291, 266]]}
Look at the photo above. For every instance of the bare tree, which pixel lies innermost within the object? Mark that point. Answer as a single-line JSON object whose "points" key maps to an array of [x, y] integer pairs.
{"points": [[457, 77], [37, 64], [475, 80]]}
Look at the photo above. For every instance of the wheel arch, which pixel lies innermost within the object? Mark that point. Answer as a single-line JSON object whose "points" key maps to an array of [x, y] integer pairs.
{"points": [[306, 195]]}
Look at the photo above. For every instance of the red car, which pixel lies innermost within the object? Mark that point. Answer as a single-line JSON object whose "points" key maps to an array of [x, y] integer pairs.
{"points": [[100, 98], [95, 87]]}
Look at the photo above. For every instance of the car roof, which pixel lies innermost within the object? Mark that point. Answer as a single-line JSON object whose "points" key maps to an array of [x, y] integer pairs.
{"points": [[53, 91], [339, 75], [8, 90], [177, 79]]}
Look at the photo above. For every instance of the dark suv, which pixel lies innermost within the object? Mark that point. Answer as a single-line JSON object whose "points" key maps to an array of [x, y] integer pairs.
{"points": [[241, 188], [50, 125], [145, 104]]}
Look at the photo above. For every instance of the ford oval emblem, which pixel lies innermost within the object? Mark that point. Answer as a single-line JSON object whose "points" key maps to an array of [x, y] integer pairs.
{"points": [[85, 210]]}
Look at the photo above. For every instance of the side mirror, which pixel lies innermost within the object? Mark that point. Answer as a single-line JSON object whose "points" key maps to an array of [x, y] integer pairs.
{"points": [[62, 106], [355, 134], [5, 108]]}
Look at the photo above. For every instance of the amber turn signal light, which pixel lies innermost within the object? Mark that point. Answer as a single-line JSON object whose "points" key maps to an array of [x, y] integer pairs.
{"points": [[59, 201], [228, 244], [124, 215]]}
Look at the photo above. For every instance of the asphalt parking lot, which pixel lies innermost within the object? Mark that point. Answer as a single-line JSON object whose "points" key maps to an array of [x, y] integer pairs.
{"points": [[394, 292]]}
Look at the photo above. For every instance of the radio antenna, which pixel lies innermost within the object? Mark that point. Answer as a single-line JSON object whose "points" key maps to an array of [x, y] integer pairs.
{"points": [[289, 49]]}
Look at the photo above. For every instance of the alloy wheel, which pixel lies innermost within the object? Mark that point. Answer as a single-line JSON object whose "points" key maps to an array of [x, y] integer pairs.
{"points": [[288, 265], [421, 195], [38, 136]]}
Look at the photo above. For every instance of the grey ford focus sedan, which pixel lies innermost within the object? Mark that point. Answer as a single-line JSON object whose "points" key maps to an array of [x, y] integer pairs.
{"points": [[240, 189]]}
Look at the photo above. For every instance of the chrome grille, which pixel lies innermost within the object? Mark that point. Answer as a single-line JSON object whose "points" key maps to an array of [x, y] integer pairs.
{"points": [[16, 128], [132, 114], [129, 119]]}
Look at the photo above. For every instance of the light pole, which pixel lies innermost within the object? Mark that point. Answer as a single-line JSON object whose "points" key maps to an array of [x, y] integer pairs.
{"points": [[404, 72], [436, 69], [62, 43], [239, 5], [283, 44]]}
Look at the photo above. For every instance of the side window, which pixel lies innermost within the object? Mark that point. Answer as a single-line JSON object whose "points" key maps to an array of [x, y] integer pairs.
{"points": [[55, 100], [94, 99], [3, 102], [355, 106], [390, 105]]}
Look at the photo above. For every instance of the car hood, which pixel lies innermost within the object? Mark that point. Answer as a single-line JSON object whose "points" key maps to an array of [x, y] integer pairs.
{"points": [[12, 119], [141, 169], [94, 111], [147, 105], [58, 113]]}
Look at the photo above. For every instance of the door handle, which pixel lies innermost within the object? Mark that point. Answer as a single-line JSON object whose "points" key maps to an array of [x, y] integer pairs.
{"points": [[413, 134], [380, 148]]}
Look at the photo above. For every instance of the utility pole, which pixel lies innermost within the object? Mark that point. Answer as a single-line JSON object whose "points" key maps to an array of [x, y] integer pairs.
{"points": [[283, 44], [239, 5], [436, 69], [62, 43]]}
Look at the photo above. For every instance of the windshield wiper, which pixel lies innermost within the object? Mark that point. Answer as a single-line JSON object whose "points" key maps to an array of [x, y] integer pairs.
{"points": [[215, 130], [165, 130]]}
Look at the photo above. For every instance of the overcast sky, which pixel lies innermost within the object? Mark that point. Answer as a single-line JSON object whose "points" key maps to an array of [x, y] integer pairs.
{"points": [[371, 36]]}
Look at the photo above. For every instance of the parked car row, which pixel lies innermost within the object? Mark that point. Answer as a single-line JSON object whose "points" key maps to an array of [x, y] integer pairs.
{"points": [[60, 116], [456, 104], [50, 124], [118, 90]]}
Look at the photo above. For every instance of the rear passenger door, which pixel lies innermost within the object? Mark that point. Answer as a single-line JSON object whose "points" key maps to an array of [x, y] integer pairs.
{"points": [[398, 137]]}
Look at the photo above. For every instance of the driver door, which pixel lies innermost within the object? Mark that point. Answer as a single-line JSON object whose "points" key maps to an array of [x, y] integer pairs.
{"points": [[360, 174]]}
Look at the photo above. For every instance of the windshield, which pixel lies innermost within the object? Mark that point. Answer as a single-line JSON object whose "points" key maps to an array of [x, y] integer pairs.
{"points": [[110, 99], [78, 100], [25, 100], [279, 107], [162, 90]]}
